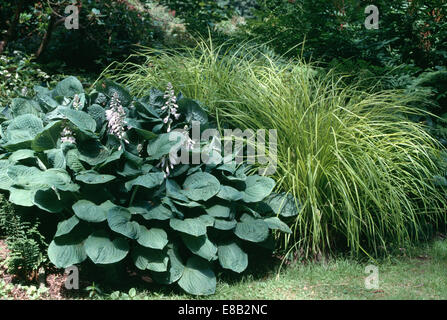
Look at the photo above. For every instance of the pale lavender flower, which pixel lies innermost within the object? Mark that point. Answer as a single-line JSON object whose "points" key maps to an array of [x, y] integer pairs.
{"points": [[170, 107], [170, 113], [167, 163], [116, 118], [139, 148], [76, 102], [189, 143], [67, 136]]}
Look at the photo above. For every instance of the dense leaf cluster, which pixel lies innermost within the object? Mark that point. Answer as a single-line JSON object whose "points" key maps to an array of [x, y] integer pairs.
{"points": [[113, 179]]}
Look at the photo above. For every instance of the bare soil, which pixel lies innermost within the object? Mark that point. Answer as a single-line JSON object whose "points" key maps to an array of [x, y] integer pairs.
{"points": [[53, 280]]}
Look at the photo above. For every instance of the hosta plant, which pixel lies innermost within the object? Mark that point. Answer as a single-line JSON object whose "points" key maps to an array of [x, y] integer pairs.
{"points": [[106, 164]]}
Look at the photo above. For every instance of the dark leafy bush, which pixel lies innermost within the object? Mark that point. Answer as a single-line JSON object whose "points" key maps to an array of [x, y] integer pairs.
{"points": [[108, 30], [104, 164], [18, 74], [410, 32], [200, 15]]}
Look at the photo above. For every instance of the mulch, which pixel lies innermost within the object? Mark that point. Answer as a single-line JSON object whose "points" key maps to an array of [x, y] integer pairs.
{"points": [[53, 280]]}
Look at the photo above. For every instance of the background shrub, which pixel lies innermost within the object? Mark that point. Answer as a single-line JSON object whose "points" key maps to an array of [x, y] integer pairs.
{"points": [[18, 75], [108, 31], [409, 32]]}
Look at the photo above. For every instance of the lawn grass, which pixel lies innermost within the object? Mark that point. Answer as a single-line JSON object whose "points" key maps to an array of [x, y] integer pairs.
{"points": [[416, 274]]}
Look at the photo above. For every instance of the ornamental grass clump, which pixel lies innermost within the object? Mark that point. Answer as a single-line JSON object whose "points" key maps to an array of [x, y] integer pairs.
{"points": [[360, 170], [114, 204]]}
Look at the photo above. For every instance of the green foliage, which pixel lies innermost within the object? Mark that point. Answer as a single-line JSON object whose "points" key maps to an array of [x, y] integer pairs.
{"points": [[24, 241], [7, 291], [362, 171], [117, 187], [18, 75], [201, 15], [409, 32], [108, 31], [169, 29]]}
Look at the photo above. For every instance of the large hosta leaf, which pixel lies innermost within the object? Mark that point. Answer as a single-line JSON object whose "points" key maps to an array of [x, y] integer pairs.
{"points": [[232, 257], [56, 158], [80, 119], [239, 175], [68, 87], [66, 226], [192, 111], [93, 152], [21, 106], [254, 230], [27, 177], [219, 211], [20, 155], [48, 137], [192, 226], [118, 219], [88, 211], [146, 110], [206, 220], [198, 278], [201, 186], [164, 144], [230, 193], [21, 131], [201, 246], [114, 155], [51, 200], [102, 250], [174, 191], [153, 238], [93, 177], [150, 259], [66, 255], [98, 113], [175, 268], [221, 224], [275, 224], [145, 134], [130, 170], [59, 179], [67, 250], [157, 212], [109, 88], [32, 178], [73, 161], [257, 188], [149, 180], [21, 197], [283, 204], [46, 102], [5, 181]]}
